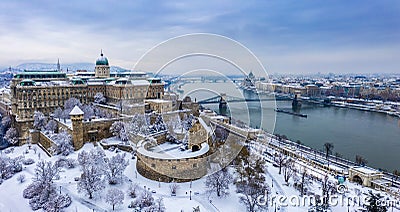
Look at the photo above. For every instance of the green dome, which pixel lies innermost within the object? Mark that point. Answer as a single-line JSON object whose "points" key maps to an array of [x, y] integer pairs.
{"points": [[102, 60]]}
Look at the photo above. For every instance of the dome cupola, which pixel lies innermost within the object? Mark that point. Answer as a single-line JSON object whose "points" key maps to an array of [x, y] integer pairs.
{"points": [[102, 60]]}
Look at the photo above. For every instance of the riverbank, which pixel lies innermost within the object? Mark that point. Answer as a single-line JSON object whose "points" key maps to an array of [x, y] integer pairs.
{"points": [[388, 108]]}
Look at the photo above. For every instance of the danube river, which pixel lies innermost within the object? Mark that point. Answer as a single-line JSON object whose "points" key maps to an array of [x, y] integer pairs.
{"points": [[372, 135]]}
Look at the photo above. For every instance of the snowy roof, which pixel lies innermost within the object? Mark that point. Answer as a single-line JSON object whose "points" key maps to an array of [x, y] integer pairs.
{"points": [[208, 129], [76, 111], [171, 151], [140, 82], [365, 170]]}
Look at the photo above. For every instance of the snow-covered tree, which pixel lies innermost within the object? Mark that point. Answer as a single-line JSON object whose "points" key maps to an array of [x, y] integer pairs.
{"points": [[251, 182], [118, 129], [51, 126], [63, 142], [133, 190], [187, 121], [115, 168], [39, 120], [5, 168], [58, 113], [88, 111], [302, 181], [174, 125], [159, 205], [6, 123], [99, 98], [158, 124], [288, 170], [375, 203], [328, 188], [218, 182], [91, 179], [56, 202], [16, 164], [11, 136], [280, 159], [114, 197], [144, 202], [42, 190], [71, 103], [139, 124]]}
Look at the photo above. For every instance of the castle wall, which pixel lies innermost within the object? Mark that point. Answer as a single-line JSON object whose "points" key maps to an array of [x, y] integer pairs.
{"points": [[168, 170]]}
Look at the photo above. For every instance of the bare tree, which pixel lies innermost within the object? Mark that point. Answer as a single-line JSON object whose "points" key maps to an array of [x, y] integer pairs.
{"points": [[115, 197], [302, 182], [360, 160], [133, 190], [219, 182], [174, 188], [280, 159], [328, 149], [288, 169], [328, 188]]}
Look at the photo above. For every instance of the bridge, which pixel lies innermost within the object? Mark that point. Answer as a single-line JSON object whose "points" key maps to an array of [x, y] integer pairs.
{"points": [[223, 99]]}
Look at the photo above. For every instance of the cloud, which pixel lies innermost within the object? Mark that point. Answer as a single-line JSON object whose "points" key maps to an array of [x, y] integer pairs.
{"points": [[322, 34]]}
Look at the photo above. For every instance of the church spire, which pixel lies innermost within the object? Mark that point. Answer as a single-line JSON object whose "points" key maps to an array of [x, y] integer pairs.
{"points": [[101, 52], [58, 65]]}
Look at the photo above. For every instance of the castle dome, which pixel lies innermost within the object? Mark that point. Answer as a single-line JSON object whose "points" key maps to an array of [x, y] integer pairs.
{"points": [[102, 60]]}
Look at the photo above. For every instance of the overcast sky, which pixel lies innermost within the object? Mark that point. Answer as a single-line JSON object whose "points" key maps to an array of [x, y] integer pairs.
{"points": [[287, 36]]}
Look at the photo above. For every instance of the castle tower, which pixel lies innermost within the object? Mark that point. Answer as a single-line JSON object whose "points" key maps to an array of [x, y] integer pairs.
{"points": [[197, 135], [102, 69], [76, 116]]}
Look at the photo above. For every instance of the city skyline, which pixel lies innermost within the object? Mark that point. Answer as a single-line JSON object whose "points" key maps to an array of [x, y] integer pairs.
{"points": [[338, 37]]}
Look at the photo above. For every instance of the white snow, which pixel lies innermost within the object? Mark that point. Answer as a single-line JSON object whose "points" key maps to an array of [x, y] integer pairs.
{"points": [[171, 151], [12, 200], [76, 111]]}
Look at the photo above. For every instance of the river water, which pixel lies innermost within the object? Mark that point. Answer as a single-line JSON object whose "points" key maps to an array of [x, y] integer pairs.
{"points": [[374, 136]]}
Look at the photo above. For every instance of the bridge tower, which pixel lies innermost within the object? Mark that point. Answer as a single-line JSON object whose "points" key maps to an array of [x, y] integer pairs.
{"points": [[296, 104], [222, 101]]}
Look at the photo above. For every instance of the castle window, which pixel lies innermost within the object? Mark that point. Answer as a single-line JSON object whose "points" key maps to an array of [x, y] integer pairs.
{"points": [[194, 165], [153, 165], [173, 167]]}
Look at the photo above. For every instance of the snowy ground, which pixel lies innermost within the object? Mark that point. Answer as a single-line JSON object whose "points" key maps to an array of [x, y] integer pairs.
{"points": [[12, 200]]}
